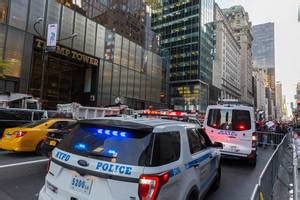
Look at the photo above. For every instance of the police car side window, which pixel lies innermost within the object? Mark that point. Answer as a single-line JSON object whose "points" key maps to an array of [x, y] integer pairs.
{"points": [[196, 141], [166, 148]]}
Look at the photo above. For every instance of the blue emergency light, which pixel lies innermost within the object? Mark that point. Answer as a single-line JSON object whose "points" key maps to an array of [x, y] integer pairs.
{"points": [[112, 133], [80, 147]]}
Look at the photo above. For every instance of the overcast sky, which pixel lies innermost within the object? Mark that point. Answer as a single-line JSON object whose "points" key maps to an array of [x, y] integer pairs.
{"points": [[287, 36]]}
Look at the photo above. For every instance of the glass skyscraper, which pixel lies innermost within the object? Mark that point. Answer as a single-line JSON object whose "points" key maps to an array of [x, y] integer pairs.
{"points": [[185, 29]]}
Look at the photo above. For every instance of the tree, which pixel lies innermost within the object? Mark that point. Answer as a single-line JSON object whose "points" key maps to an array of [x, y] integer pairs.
{"points": [[153, 3]]}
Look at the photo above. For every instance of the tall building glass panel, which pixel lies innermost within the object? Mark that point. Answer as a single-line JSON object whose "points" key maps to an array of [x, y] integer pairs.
{"points": [[138, 58], [137, 83], [2, 38], [14, 51], [143, 87], [90, 37], [130, 83], [100, 41], [118, 49], [123, 83], [53, 14], [36, 11], [79, 28], [125, 52], [132, 54], [116, 80], [67, 22], [18, 13], [107, 77]]}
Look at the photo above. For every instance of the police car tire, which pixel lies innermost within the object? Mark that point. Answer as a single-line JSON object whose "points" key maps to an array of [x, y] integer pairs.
{"points": [[193, 194]]}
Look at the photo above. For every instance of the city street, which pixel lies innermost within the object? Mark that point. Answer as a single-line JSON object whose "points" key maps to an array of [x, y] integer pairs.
{"points": [[23, 182]]}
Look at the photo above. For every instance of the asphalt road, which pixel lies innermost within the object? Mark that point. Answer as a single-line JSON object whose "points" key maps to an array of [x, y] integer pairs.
{"points": [[22, 176]]}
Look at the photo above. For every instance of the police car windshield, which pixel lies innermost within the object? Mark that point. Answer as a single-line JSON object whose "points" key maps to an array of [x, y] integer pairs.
{"points": [[228, 119], [109, 143]]}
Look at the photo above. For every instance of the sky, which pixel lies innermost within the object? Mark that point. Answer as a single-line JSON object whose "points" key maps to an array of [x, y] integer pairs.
{"points": [[287, 36]]}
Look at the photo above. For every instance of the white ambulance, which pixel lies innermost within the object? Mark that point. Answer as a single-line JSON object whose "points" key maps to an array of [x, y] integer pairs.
{"points": [[233, 125]]}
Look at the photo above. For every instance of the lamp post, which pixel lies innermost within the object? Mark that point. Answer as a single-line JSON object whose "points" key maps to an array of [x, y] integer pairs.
{"points": [[45, 55]]}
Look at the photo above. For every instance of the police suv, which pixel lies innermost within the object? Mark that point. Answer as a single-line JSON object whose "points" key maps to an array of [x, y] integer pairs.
{"points": [[131, 159]]}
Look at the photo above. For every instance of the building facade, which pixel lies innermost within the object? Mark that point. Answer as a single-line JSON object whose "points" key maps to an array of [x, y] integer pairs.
{"points": [[93, 68], [259, 77], [185, 29], [263, 51], [279, 101], [226, 68], [239, 21]]}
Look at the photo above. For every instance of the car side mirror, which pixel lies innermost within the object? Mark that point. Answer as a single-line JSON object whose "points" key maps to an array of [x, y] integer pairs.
{"points": [[218, 145]]}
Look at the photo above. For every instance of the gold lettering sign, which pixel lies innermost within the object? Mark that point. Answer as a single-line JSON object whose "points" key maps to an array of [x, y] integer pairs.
{"points": [[69, 53]]}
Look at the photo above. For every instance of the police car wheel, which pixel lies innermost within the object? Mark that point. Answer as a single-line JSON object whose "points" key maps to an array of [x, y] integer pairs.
{"points": [[252, 162], [193, 194]]}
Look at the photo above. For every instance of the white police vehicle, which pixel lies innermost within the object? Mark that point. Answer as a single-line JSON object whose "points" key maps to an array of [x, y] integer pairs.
{"points": [[131, 159], [233, 124]]}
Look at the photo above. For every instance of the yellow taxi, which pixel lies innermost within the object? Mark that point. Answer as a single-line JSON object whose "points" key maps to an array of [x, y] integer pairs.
{"points": [[29, 137]]}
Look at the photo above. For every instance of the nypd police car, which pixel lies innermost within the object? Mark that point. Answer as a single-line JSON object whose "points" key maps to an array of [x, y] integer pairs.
{"points": [[131, 159]]}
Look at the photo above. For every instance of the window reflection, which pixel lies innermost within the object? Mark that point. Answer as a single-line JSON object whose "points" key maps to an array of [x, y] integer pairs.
{"points": [[37, 10], [14, 51], [18, 13], [3, 10], [2, 37], [67, 26]]}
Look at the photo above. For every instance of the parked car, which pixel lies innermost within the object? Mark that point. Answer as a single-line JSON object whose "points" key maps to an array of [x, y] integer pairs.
{"points": [[29, 137], [11, 117]]}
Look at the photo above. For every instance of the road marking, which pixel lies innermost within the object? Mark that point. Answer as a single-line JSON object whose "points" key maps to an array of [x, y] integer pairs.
{"points": [[23, 163]]}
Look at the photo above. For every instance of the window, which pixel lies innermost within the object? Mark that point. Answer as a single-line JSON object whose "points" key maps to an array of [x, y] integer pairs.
{"points": [[59, 125], [80, 30], [132, 148], [2, 37], [166, 148], [227, 119], [18, 13], [37, 10], [196, 141], [14, 51], [66, 26], [90, 37], [100, 43]]}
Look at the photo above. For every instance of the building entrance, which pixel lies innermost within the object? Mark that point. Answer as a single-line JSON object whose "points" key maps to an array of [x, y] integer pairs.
{"points": [[64, 81]]}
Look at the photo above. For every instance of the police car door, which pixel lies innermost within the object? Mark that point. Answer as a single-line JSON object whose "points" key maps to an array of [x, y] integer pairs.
{"points": [[201, 160]]}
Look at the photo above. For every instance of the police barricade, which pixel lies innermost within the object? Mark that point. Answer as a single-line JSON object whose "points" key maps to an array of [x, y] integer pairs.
{"points": [[276, 180], [266, 139]]}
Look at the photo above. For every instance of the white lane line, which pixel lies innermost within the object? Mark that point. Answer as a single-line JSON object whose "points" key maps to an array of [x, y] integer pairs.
{"points": [[23, 163]]}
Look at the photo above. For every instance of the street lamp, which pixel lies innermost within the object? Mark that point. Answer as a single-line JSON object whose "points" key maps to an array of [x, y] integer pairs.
{"points": [[45, 54]]}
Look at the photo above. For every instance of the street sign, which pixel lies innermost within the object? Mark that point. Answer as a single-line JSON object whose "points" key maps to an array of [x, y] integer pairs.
{"points": [[51, 37]]}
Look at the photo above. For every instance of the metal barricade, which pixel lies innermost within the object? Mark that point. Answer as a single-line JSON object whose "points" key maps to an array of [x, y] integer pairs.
{"points": [[277, 178], [266, 139]]}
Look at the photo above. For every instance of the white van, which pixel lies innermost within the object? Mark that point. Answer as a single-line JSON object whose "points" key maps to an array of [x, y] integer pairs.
{"points": [[234, 126]]}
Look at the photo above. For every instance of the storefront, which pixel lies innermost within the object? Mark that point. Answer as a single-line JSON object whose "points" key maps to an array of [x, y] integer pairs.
{"points": [[94, 68], [70, 76]]}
